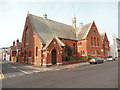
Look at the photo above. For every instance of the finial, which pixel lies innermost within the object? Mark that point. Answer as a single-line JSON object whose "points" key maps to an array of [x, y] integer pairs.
{"points": [[73, 10]]}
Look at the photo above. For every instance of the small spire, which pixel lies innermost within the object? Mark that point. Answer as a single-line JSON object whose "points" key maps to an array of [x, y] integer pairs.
{"points": [[73, 10], [74, 19]]}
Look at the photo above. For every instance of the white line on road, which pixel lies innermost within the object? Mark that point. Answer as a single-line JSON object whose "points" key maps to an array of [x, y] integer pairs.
{"points": [[13, 67], [36, 71], [23, 71], [12, 76]]}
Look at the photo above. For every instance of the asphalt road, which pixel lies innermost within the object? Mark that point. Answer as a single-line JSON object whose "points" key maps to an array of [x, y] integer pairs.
{"points": [[91, 76], [10, 69]]}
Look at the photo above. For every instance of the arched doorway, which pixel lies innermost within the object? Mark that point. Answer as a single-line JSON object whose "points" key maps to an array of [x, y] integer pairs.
{"points": [[54, 57]]}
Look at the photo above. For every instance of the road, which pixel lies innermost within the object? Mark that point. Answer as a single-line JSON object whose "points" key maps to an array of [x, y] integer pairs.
{"points": [[90, 76], [10, 69]]}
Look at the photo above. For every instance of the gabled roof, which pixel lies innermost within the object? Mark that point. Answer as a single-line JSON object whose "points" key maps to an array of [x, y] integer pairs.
{"points": [[60, 43], [47, 29], [103, 36], [82, 31]]}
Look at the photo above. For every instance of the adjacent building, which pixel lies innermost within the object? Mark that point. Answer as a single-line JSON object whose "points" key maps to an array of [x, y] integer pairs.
{"points": [[105, 44], [118, 46], [5, 53], [113, 45], [15, 51]]}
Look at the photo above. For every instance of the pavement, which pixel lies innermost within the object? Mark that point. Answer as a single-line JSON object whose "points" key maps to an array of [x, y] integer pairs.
{"points": [[58, 67]]}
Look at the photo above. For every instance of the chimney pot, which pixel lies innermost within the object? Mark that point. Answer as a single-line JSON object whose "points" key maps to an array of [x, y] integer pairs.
{"points": [[13, 43], [17, 40], [45, 16], [81, 24]]}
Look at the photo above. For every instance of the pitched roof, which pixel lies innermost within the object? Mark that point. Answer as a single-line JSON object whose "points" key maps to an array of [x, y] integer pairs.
{"points": [[102, 36], [60, 43], [47, 29], [82, 31]]}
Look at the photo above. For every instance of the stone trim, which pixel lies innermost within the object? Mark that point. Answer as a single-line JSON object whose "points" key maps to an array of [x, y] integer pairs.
{"points": [[59, 63], [36, 57], [47, 64], [37, 63]]}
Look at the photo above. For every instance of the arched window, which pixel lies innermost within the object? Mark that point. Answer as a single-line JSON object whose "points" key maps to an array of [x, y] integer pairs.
{"points": [[92, 41], [98, 52], [29, 53], [83, 52], [74, 49], [80, 44], [97, 42], [94, 32], [25, 53], [26, 37], [36, 51]]}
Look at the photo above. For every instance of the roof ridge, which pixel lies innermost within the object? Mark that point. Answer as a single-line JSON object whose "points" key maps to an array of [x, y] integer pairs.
{"points": [[51, 20]]}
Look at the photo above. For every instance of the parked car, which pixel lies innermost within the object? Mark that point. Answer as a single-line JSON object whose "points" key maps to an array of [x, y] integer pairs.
{"points": [[110, 58], [96, 60]]}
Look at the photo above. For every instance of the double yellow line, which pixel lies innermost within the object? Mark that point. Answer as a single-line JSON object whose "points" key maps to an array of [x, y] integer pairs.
{"points": [[1, 75]]}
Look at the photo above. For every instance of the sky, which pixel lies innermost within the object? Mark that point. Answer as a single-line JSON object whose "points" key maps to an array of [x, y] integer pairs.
{"points": [[14, 12]]}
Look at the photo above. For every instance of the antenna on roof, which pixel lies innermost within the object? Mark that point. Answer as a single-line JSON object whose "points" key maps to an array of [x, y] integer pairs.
{"points": [[74, 19], [73, 10]]}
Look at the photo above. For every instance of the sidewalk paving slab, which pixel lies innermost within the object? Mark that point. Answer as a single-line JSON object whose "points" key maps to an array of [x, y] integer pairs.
{"points": [[51, 68]]}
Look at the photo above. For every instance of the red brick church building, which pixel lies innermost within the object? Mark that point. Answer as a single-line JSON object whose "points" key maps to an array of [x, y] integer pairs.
{"points": [[44, 40]]}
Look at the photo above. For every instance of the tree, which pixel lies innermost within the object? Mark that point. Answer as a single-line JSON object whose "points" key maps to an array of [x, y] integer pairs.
{"points": [[67, 52]]}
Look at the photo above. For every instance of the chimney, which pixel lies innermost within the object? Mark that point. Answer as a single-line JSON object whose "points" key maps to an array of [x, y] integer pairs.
{"points": [[45, 16], [13, 43], [17, 40], [81, 24]]}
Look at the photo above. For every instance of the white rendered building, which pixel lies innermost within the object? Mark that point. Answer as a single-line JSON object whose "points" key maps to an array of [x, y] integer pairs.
{"points": [[113, 45]]}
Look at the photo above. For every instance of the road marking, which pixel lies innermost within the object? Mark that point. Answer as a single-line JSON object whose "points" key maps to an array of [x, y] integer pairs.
{"points": [[36, 71], [1, 75], [23, 71], [9, 65], [13, 67], [12, 76]]}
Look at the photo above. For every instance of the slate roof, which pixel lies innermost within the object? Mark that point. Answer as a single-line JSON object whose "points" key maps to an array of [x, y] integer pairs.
{"points": [[60, 43], [48, 29], [82, 31]]}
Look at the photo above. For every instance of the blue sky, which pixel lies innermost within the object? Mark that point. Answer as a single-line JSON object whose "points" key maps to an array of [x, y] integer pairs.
{"points": [[13, 14]]}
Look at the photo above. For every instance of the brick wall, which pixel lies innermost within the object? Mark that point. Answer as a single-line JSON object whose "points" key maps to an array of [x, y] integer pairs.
{"points": [[94, 42]]}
